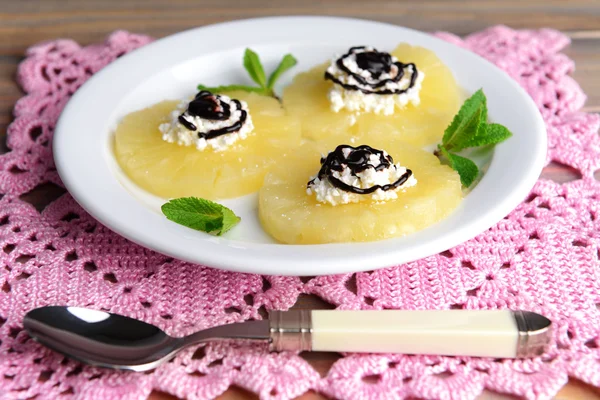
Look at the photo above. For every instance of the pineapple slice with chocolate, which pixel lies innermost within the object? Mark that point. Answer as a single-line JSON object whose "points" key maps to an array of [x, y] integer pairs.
{"points": [[170, 170], [291, 215], [419, 125]]}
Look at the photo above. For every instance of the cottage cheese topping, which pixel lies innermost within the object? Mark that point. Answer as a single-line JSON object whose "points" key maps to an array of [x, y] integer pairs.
{"points": [[209, 120], [352, 174], [372, 81]]}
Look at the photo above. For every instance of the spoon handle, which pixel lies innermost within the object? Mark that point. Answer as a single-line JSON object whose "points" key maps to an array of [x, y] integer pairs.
{"points": [[478, 333]]}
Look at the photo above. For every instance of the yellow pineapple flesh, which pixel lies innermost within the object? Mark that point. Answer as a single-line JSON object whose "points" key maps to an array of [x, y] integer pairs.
{"points": [[418, 125], [292, 216], [170, 170], [307, 99]]}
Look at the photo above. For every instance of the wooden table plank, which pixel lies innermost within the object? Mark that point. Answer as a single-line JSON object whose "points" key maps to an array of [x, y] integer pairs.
{"points": [[585, 50], [26, 22]]}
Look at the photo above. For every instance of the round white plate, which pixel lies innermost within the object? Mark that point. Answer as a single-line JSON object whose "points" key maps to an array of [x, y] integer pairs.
{"points": [[171, 68]]}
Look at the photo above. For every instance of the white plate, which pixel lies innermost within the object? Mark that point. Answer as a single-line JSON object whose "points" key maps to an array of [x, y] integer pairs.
{"points": [[172, 67]]}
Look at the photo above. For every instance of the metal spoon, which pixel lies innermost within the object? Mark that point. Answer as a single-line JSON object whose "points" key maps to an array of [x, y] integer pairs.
{"points": [[115, 341]]}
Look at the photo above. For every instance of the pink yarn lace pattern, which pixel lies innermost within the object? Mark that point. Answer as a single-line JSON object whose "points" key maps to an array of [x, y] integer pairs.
{"points": [[543, 257]]}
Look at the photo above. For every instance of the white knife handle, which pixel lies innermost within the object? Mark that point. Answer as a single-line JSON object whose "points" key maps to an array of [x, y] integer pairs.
{"points": [[479, 333]]}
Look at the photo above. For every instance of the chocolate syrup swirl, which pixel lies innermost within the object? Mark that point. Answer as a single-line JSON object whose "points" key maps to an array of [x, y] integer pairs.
{"points": [[209, 106], [212, 107], [376, 63], [357, 161]]}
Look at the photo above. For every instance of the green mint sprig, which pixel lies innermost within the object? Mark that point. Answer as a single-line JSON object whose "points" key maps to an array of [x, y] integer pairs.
{"points": [[201, 215], [256, 71], [468, 129]]}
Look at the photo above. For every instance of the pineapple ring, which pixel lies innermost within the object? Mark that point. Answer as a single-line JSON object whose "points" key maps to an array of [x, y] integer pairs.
{"points": [[169, 170], [423, 125], [292, 216]]}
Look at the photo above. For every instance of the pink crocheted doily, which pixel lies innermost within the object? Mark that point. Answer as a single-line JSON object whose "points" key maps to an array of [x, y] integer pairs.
{"points": [[542, 257]]}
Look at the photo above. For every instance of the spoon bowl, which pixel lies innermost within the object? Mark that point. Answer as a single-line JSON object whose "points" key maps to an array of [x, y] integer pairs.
{"points": [[114, 341], [110, 340]]}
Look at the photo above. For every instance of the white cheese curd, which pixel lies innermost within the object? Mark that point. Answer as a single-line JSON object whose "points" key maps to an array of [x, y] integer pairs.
{"points": [[175, 132], [326, 192], [356, 100]]}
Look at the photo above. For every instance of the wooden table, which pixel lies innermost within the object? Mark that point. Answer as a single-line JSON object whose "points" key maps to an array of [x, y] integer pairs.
{"points": [[26, 22]]}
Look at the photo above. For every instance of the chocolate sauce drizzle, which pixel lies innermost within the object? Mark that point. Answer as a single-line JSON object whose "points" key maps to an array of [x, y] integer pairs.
{"points": [[212, 107], [357, 161], [376, 63]]}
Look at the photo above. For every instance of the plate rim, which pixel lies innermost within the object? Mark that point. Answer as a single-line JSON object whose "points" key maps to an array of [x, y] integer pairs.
{"points": [[339, 257]]}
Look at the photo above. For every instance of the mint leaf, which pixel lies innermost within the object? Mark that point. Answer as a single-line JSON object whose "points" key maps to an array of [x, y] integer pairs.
{"points": [[254, 67], [200, 214], [194, 213], [229, 219], [466, 125], [467, 170], [229, 88], [469, 128], [492, 134], [257, 73], [495, 133], [287, 62]]}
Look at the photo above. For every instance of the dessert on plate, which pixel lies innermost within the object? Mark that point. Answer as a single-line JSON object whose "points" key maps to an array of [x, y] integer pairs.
{"points": [[213, 146], [356, 193], [408, 94], [341, 161]]}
